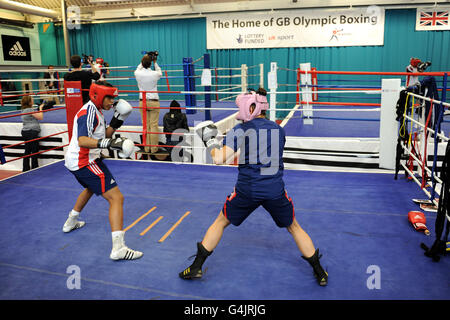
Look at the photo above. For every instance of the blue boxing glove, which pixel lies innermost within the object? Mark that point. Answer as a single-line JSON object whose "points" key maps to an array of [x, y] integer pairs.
{"points": [[122, 110], [207, 131]]}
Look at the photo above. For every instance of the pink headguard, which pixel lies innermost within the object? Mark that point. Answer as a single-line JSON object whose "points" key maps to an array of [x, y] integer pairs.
{"points": [[245, 100]]}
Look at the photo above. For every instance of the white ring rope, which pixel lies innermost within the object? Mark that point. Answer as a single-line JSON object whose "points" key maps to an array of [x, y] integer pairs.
{"points": [[411, 174], [429, 129], [286, 69], [418, 161], [218, 69], [428, 99]]}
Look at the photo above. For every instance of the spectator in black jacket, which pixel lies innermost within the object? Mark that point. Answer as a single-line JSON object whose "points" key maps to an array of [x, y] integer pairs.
{"points": [[176, 121], [173, 120]]}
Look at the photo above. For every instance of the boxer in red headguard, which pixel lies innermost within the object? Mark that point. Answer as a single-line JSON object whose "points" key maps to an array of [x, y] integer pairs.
{"points": [[89, 136]]}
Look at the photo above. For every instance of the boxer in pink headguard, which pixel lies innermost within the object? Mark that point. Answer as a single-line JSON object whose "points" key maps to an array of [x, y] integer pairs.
{"points": [[245, 101], [260, 143]]}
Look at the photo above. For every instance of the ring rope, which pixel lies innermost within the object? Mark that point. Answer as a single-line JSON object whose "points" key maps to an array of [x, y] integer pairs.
{"points": [[36, 153], [40, 138], [411, 174]]}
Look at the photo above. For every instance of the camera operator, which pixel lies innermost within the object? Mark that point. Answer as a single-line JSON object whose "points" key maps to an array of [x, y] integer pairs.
{"points": [[85, 76], [147, 80]]}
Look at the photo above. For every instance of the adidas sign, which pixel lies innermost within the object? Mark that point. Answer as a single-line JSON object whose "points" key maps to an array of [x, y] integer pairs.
{"points": [[17, 50]]}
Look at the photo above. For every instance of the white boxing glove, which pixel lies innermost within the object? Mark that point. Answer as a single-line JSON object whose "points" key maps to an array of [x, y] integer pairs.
{"points": [[207, 131], [122, 110], [124, 146]]}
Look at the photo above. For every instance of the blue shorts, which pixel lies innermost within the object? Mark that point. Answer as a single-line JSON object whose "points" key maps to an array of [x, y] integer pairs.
{"points": [[96, 177], [238, 207]]}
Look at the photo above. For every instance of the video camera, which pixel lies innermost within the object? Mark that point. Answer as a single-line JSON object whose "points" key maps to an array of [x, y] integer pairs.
{"points": [[152, 54], [48, 104], [86, 59], [423, 65]]}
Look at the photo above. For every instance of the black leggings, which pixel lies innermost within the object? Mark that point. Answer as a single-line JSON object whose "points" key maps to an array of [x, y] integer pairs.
{"points": [[30, 147]]}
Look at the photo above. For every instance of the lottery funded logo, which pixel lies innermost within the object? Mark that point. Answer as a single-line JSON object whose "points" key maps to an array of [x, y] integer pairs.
{"points": [[250, 38]]}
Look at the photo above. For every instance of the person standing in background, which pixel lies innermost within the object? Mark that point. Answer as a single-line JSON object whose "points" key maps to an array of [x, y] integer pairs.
{"points": [[52, 84], [147, 80], [85, 76]]}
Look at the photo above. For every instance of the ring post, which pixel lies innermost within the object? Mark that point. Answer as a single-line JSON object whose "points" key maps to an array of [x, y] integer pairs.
{"points": [[145, 141], [315, 96], [390, 91], [272, 83], [437, 129], [74, 102], [305, 81], [297, 95], [1, 98], [207, 66], [217, 88], [244, 83], [188, 85], [2, 155], [261, 75]]}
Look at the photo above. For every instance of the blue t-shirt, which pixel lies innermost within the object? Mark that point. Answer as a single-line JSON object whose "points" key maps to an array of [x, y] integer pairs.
{"points": [[261, 143]]}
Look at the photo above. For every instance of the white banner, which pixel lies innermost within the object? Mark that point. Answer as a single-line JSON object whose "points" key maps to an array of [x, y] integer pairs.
{"points": [[435, 18], [299, 28]]}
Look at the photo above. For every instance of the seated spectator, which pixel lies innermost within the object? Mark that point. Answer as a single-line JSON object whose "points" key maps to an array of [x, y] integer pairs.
{"points": [[173, 120]]}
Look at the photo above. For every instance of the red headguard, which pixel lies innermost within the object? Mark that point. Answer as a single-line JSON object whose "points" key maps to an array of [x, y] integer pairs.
{"points": [[97, 93], [414, 62], [99, 60]]}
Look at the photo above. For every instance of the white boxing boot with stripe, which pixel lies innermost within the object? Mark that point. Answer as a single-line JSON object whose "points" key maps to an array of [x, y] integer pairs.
{"points": [[72, 222], [120, 251]]}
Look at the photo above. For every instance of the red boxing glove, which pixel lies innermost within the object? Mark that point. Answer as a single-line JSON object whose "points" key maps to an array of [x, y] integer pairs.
{"points": [[418, 221]]}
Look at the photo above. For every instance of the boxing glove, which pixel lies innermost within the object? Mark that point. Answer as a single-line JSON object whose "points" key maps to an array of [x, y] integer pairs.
{"points": [[123, 145], [418, 221], [207, 131], [122, 109]]}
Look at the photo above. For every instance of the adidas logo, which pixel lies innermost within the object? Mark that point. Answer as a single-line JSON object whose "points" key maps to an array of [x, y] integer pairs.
{"points": [[112, 181], [17, 50]]}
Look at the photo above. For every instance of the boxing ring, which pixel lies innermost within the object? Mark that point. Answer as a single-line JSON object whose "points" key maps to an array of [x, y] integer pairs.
{"points": [[355, 214], [248, 263]]}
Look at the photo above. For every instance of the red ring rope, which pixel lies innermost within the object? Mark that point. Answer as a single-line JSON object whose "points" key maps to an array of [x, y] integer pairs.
{"points": [[29, 155], [22, 114], [40, 138]]}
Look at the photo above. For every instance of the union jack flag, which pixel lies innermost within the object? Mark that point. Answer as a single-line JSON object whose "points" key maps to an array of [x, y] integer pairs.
{"points": [[435, 18]]}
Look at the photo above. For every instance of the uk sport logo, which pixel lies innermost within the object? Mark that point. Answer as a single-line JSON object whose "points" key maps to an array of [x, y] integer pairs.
{"points": [[17, 50]]}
